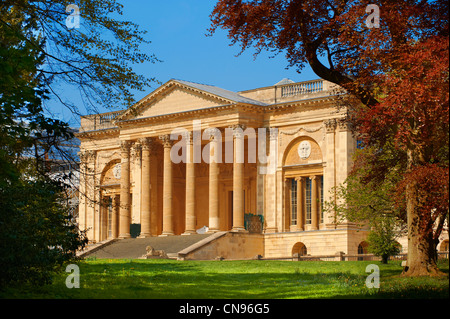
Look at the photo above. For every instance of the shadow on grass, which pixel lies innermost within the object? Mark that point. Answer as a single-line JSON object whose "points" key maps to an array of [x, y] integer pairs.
{"points": [[211, 280], [168, 279]]}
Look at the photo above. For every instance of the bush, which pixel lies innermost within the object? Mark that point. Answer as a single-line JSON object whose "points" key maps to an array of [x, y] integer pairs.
{"points": [[36, 232]]}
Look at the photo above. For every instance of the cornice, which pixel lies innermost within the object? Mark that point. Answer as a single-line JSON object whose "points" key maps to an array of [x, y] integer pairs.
{"points": [[98, 133], [190, 113], [289, 104]]}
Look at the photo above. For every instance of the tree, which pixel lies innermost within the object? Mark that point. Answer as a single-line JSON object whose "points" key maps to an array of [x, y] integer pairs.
{"points": [[37, 235], [96, 58], [370, 203], [399, 70], [382, 239], [413, 113], [38, 52]]}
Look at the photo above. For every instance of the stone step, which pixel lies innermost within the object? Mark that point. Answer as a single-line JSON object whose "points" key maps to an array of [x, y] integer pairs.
{"points": [[134, 248]]}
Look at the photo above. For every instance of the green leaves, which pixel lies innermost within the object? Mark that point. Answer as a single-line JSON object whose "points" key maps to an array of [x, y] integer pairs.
{"points": [[36, 234]]}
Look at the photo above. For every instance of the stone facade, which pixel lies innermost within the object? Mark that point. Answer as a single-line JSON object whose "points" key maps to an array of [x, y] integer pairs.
{"points": [[190, 155]]}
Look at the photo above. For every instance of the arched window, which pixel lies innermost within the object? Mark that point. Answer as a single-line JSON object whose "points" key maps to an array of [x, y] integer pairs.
{"points": [[362, 248]]}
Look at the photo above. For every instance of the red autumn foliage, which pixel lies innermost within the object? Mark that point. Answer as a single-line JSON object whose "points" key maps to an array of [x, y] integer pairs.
{"points": [[414, 107], [398, 74]]}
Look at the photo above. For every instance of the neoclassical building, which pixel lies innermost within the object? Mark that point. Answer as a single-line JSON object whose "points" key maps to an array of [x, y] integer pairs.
{"points": [[191, 155]]}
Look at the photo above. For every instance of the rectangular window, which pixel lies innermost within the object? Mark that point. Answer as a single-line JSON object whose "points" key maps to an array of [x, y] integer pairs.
{"points": [[308, 200], [293, 202]]}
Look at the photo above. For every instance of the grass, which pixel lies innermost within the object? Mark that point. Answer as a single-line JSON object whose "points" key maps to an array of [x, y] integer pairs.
{"points": [[170, 279]]}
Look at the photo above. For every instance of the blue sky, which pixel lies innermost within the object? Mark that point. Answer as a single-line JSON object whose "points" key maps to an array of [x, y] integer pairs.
{"points": [[177, 30]]}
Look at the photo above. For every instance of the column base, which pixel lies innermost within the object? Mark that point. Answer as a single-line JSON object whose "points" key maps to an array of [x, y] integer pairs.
{"points": [[166, 234], [124, 236], [212, 231], [146, 235], [295, 228], [189, 232], [239, 230]]}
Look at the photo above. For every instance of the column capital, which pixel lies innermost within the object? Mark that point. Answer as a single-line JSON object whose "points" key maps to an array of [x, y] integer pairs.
{"points": [[166, 141], [238, 130], [148, 144], [344, 124], [125, 146], [145, 142], [188, 137], [300, 178], [330, 125], [87, 156]]}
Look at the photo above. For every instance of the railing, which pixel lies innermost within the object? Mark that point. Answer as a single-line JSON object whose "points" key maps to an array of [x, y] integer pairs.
{"points": [[344, 257], [254, 223], [302, 88], [99, 121]]}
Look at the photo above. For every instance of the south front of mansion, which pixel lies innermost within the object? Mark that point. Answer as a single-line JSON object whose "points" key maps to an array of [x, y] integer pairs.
{"points": [[257, 165]]}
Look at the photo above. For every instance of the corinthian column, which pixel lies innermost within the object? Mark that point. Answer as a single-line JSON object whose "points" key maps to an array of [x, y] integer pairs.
{"points": [[167, 188], [238, 179], [214, 185], [125, 197], [145, 188], [190, 187]]}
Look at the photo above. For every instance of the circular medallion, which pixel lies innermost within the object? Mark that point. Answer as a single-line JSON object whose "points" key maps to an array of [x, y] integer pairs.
{"points": [[116, 171], [304, 149]]}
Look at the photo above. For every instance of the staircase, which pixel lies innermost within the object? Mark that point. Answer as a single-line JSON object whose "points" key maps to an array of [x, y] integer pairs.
{"points": [[134, 248]]}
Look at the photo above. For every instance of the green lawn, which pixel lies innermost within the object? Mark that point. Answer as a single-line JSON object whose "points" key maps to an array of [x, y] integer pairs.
{"points": [[168, 279]]}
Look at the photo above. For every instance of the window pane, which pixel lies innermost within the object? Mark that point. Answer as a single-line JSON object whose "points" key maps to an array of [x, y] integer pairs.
{"points": [[308, 200], [293, 202]]}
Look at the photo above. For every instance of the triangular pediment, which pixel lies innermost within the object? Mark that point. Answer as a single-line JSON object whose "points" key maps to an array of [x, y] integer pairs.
{"points": [[180, 96], [178, 100]]}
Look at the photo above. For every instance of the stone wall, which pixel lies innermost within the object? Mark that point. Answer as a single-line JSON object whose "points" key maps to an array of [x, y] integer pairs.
{"points": [[321, 242], [226, 245]]}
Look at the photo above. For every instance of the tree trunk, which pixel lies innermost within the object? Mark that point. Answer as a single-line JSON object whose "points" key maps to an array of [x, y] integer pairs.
{"points": [[422, 254], [421, 251]]}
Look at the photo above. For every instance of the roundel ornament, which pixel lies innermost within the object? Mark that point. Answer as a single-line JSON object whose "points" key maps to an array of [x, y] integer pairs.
{"points": [[304, 149], [116, 171]]}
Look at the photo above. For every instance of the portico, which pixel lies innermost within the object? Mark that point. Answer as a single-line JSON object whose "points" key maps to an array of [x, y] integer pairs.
{"points": [[171, 222]]}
